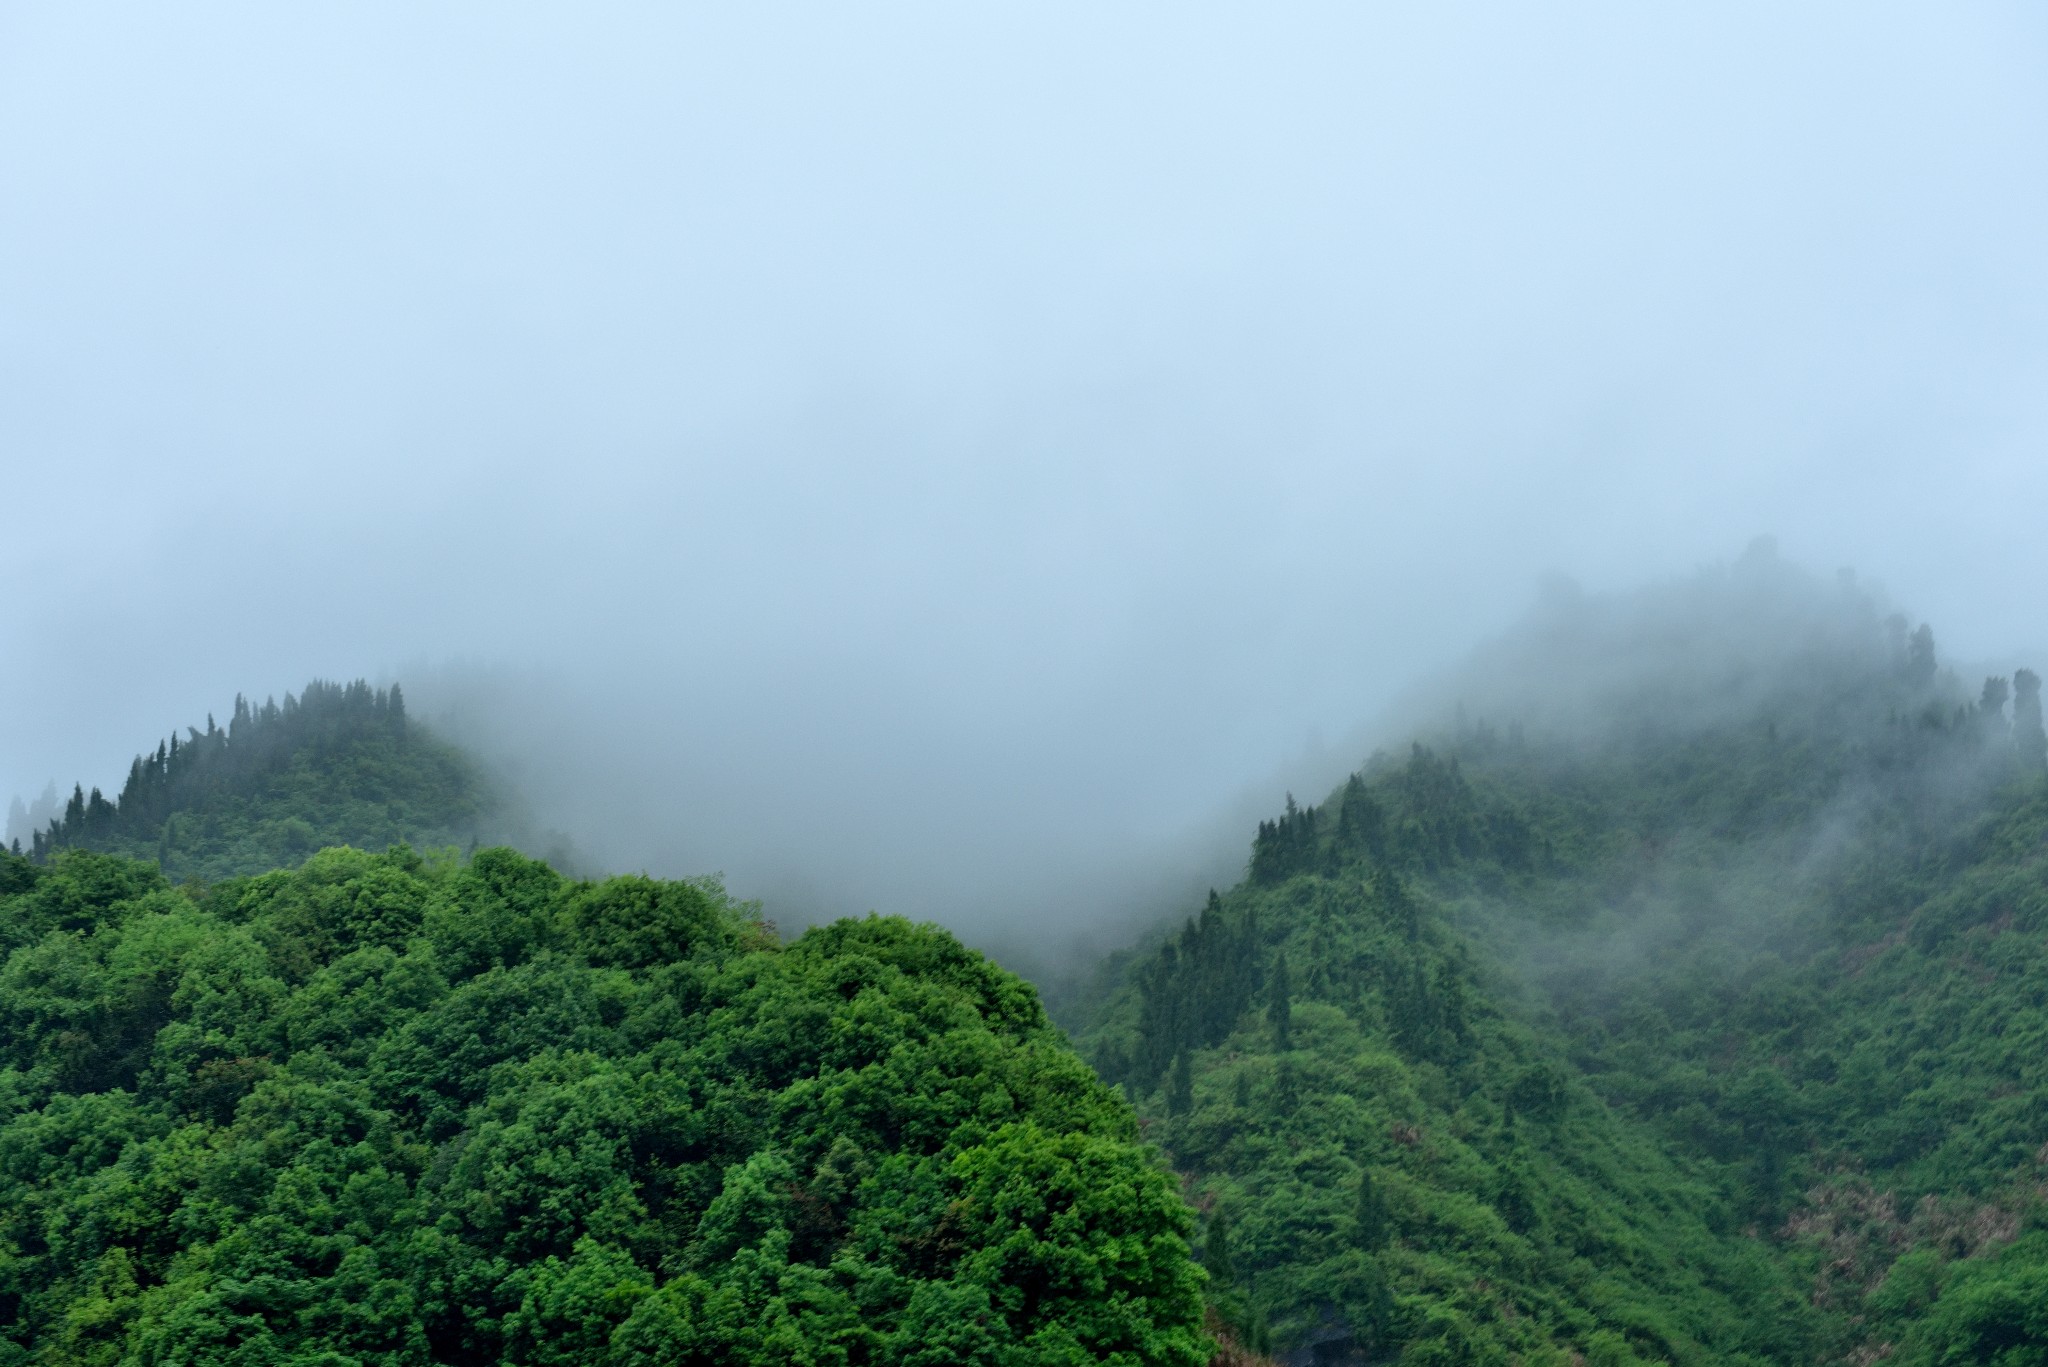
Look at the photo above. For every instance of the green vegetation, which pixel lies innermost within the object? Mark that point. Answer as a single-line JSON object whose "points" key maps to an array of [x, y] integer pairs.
{"points": [[381, 1110], [336, 765], [1871, 1069], [1700, 1017], [1389, 1159], [1696, 1014]]}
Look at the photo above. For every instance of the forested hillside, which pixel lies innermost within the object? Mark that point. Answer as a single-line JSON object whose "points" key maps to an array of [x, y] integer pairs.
{"points": [[1679, 994], [375, 1110], [335, 765], [1687, 1003]]}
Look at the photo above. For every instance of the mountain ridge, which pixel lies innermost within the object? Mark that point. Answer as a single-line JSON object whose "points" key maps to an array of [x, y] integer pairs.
{"points": [[1560, 915], [334, 764], [1675, 994]]}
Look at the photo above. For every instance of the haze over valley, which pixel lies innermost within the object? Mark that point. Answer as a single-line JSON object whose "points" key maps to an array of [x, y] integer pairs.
{"points": [[1421, 626], [942, 463]]}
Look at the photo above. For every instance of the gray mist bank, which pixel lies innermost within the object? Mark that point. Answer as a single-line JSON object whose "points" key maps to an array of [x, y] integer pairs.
{"points": [[1064, 841], [938, 460], [1045, 849], [1748, 744]]}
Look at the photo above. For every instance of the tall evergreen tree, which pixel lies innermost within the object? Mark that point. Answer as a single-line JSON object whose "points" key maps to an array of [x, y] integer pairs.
{"points": [[1369, 1214], [1991, 706], [1286, 1086], [1180, 1086], [1216, 1249], [1920, 662], [2028, 738], [1280, 1004]]}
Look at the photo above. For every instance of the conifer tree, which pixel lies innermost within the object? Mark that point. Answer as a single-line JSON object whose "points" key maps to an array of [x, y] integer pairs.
{"points": [[1216, 1249], [1361, 824], [1920, 661], [1402, 911], [1180, 1087], [1286, 1086], [1280, 1004], [1510, 1199], [1991, 706], [2028, 737], [1369, 1214], [1265, 866]]}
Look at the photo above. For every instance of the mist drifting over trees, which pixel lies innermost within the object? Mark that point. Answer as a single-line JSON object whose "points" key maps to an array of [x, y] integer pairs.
{"points": [[1041, 473], [900, 468]]}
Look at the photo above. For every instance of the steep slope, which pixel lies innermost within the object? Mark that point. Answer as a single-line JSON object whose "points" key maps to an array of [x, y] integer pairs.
{"points": [[1808, 949], [375, 1110], [1883, 1095], [335, 765], [1391, 1157], [1690, 1010]]}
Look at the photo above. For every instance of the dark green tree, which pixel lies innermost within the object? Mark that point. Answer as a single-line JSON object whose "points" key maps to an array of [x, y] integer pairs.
{"points": [[1369, 1214], [1280, 1004], [1920, 661], [2028, 738], [1286, 1087], [1180, 1086], [1216, 1248], [334, 766], [1991, 707], [376, 1109]]}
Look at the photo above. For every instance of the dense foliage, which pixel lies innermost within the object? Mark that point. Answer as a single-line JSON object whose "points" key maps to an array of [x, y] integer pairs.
{"points": [[1699, 1015], [1696, 1013], [335, 765], [1388, 1157], [381, 1110], [1849, 1015]]}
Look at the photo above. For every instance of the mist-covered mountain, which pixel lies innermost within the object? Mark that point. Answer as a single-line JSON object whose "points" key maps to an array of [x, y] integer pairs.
{"points": [[1678, 996], [447, 1105], [1675, 994], [336, 764]]}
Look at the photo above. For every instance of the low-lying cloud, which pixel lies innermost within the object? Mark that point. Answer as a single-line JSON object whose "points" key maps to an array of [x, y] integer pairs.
{"points": [[940, 461]]}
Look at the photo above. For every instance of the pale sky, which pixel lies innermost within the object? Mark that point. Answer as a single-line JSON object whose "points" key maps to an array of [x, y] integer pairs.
{"points": [[938, 457]]}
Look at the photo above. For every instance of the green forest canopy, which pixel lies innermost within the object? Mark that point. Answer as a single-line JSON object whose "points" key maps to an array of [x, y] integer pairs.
{"points": [[338, 764], [1695, 1015], [1713, 1029], [381, 1110]]}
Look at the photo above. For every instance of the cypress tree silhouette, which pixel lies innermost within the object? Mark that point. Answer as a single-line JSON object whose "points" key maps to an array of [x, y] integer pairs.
{"points": [[2028, 738], [1280, 1004], [1369, 1214], [1216, 1249], [1180, 1091]]}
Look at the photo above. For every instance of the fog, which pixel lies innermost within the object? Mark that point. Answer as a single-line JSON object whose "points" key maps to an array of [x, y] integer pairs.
{"points": [[1750, 743], [970, 462]]}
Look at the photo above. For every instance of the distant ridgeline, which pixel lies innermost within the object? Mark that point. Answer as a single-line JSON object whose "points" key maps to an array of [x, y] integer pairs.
{"points": [[1702, 1017], [339, 764]]}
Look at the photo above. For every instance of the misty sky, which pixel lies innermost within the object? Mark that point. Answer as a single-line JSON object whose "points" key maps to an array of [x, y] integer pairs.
{"points": [[937, 457]]}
